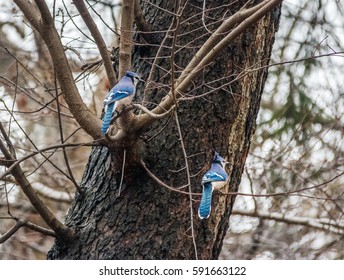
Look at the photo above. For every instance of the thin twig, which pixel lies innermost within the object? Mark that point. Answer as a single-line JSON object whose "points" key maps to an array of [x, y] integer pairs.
{"points": [[155, 116], [8, 141], [44, 24], [296, 192], [71, 176], [77, 27], [28, 94], [122, 175], [52, 193], [252, 69], [290, 192], [155, 64], [60, 229], [216, 36], [189, 183], [38, 228], [104, 19], [321, 224], [92, 27], [20, 223], [176, 24], [11, 231], [161, 183], [160, 130], [35, 146], [199, 62], [142, 24], [40, 151], [203, 18]]}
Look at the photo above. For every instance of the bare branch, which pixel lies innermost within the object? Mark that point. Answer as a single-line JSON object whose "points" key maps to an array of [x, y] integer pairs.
{"points": [[92, 27], [296, 192], [209, 54], [176, 25], [10, 84], [11, 231], [30, 13], [60, 229], [155, 116], [39, 229], [40, 151], [321, 224], [124, 127], [71, 175], [161, 183], [215, 38], [8, 141], [154, 65], [126, 43], [290, 193], [20, 223], [82, 114], [181, 139], [122, 175], [214, 51]]}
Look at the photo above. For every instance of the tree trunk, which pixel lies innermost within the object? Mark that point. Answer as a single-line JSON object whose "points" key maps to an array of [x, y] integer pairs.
{"points": [[139, 218]]}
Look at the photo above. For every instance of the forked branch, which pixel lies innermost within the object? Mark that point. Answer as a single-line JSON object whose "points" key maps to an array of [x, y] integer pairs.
{"points": [[60, 229], [211, 49], [21, 223], [43, 22]]}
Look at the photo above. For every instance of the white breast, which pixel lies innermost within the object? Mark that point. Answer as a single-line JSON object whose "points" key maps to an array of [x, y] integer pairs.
{"points": [[218, 184]]}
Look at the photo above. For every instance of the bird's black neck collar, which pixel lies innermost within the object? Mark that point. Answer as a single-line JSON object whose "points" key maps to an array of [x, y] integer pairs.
{"points": [[218, 162], [131, 78]]}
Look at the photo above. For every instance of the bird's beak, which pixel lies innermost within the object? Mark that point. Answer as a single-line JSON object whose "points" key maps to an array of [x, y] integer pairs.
{"points": [[139, 79]]}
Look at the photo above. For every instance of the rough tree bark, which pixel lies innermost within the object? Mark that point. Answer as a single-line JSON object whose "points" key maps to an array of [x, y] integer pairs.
{"points": [[138, 218]]}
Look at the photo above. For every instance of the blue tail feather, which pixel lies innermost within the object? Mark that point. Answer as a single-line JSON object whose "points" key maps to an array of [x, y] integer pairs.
{"points": [[205, 206], [107, 118]]}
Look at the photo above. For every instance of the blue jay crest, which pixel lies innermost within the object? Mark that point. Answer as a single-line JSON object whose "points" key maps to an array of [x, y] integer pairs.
{"points": [[215, 178], [121, 94]]}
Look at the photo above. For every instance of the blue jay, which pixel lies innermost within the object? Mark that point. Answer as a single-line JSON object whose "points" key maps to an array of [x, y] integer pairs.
{"points": [[215, 178], [121, 94]]}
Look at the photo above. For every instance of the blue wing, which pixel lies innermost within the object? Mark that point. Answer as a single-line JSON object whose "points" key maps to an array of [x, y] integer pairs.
{"points": [[119, 91], [205, 206], [107, 118], [114, 96], [212, 176]]}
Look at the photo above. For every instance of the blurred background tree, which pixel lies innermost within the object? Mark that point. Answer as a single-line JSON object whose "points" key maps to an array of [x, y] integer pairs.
{"points": [[297, 151], [298, 145]]}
